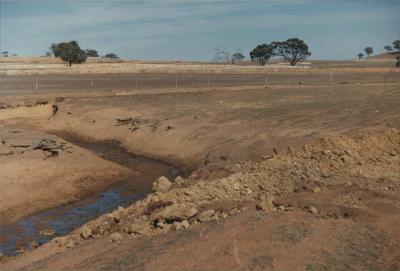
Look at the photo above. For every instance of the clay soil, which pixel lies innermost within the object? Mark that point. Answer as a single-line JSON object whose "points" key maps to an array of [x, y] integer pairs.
{"points": [[334, 204]]}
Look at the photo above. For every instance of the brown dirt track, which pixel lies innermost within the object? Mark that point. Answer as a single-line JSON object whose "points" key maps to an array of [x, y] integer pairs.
{"points": [[211, 130]]}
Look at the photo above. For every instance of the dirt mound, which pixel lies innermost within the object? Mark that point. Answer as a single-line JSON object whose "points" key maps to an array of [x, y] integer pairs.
{"points": [[333, 178], [341, 192]]}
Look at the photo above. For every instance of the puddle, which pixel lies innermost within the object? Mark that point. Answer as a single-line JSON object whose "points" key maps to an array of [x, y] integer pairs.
{"points": [[66, 218]]}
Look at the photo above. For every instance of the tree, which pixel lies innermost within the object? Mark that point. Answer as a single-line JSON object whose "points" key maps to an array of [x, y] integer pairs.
{"points": [[360, 55], [369, 51], [48, 54], [69, 52], [222, 54], [262, 53], [4, 54], [292, 50], [388, 48], [91, 53], [111, 55], [396, 45], [238, 56]]}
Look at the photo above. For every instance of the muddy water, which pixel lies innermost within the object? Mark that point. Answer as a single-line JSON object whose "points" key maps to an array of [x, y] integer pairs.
{"points": [[17, 237]]}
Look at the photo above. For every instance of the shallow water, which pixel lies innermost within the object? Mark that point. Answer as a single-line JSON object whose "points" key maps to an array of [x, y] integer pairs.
{"points": [[66, 218]]}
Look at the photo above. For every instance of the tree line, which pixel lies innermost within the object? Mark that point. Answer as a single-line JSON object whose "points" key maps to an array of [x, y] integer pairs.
{"points": [[291, 50], [389, 48]]}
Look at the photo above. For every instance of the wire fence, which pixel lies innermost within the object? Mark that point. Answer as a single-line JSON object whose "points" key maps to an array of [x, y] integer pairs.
{"points": [[11, 85]]}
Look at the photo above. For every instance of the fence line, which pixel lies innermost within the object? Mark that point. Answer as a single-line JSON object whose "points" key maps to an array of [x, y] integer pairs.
{"points": [[177, 81]]}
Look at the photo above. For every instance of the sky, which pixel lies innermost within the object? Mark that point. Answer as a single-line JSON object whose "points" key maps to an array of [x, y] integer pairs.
{"points": [[190, 30]]}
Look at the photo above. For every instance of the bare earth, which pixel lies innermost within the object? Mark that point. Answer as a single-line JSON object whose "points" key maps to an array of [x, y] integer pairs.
{"points": [[296, 176]]}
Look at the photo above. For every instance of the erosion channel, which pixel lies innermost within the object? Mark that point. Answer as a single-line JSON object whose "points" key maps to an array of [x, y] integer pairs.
{"points": [[43, 226]]}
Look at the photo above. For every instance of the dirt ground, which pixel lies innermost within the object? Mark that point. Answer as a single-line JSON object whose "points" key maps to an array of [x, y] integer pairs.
{"points": [[209, 133]]}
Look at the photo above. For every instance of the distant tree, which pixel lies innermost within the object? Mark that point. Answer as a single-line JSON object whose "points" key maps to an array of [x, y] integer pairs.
{"points": [[222, 54], [261, 54], [14, 55], [396, 45], [69, 52], [238, 56], [388, 48], [111, 55], [369, 51], [91, 53], [48, 54], [360, 55], [292, 50], [4, 54]]}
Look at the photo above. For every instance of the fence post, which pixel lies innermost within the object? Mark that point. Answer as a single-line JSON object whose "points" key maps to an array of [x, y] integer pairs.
{"points": [[36, 85], [266, 81], [91, 82], [208, 81], [176, 82], [136, 83], [330, 78]]}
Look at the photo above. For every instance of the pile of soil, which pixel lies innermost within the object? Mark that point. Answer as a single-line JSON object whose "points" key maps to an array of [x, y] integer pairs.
{"points": [[339, 194]]}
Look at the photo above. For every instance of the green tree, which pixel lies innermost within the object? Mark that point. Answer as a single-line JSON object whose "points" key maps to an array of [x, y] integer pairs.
{"points": [[91, 53], [262, 53], [388, 48], [292, 50], [238, 56], [360, 55], [69, 52], [111, 55], [369, 51], [396, 45]]}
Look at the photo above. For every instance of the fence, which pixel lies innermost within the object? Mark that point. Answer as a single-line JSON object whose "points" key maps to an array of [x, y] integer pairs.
{"points": [[135, 82]]}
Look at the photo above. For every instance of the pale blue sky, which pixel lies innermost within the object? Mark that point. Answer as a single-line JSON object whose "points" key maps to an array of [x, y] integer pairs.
{"points": [[189, 30]]}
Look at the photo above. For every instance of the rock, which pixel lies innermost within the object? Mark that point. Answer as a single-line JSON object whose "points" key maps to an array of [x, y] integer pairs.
{"points": [[313, 210], [59, 99], [233, 212], [141, 229], [33, 244], [316, 189], [265, 203], [162, 184], [174, 212], [86, 232], [236, 186], [162, 225], [116, 216], [176, 226], [47, 232], [179, 180], [116, 237], [205, 216], [64, 242], [224, 215], [41, 102], [246, 191], [180, 225], [185, 224]]}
